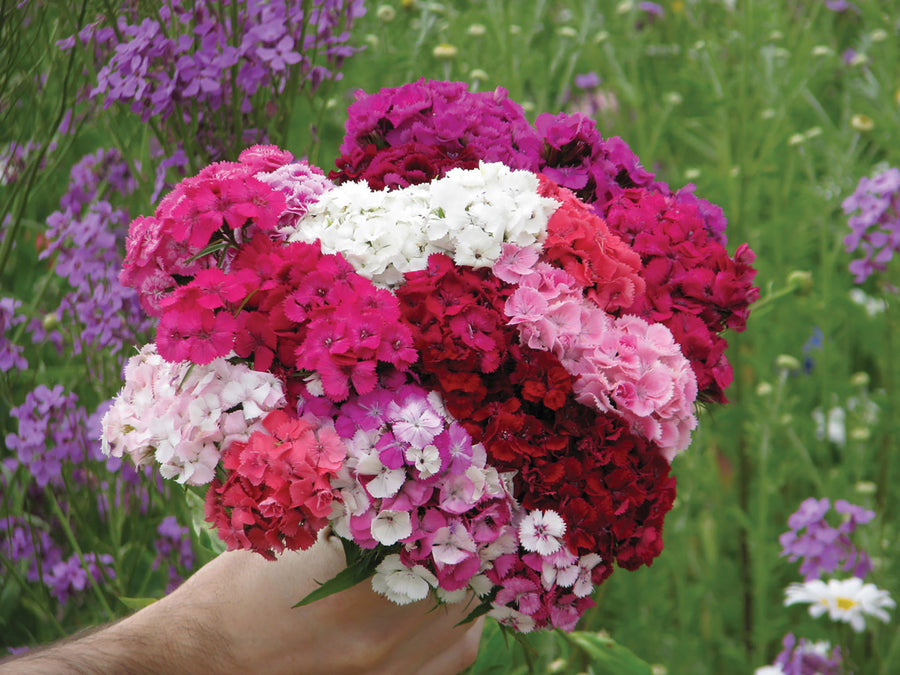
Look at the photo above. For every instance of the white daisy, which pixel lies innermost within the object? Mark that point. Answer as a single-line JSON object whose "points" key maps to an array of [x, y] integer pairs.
{"points": [[847, 600]]}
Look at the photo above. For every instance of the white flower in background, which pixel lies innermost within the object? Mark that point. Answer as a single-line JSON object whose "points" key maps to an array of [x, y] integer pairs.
{"points": [[873, 306], [847, 600], [831, 425], [769, 670]]}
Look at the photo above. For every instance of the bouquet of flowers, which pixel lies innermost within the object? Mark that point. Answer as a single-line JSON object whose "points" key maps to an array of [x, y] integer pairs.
{"points": [[472, 350]]}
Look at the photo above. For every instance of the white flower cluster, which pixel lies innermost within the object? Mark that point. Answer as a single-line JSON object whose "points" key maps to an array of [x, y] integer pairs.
{"points": [[185, 415], [468, 215]]}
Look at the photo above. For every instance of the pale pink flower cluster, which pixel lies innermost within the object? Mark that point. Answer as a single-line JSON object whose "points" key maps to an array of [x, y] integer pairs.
{"points": [[623, 365], [301, 183], [184, 415]]}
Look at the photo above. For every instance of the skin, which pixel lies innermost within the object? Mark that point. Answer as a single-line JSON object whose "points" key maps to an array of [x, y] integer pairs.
{"points": [[235, 615]]}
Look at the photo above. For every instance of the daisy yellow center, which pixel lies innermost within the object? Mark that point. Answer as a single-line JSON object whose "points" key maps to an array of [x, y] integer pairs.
{"points": [[846, 603]]}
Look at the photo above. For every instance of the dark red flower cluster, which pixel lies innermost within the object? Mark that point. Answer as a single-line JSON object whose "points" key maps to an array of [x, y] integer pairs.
{"points": [[445, 115], [611, 487], [400, 166], [579, 242], [693, 286], [278, 492]]}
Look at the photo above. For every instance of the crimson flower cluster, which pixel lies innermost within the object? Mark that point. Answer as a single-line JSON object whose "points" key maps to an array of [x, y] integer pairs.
{"points": [[278, 493], [693, 286]]}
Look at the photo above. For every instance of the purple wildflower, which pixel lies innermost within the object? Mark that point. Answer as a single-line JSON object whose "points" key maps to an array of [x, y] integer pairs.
{"points": [[69, 576], [875, 223], [174, 547], [653, 10], [587, 81], [10, 354], [821, 547], [86, 235], [24, 541], [188, 55], [809, 658]]}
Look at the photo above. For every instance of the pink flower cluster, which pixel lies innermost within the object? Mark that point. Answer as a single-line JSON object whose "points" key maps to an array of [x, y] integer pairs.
{"points": [[497, 417], [278, 491], [183, 415]]}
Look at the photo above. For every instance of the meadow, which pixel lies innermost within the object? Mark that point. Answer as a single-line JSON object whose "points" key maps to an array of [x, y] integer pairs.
{"points": [[774, 109]]}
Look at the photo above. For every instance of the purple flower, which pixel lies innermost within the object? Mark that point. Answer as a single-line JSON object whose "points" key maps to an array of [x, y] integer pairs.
{"points": [[68, 577], [51, 433], [874, 223], [840, 6], [174, 547], [86, 235], [587, 80], [809, 658], [156, 69], [653, 9], [821, 547], [10, 354]]}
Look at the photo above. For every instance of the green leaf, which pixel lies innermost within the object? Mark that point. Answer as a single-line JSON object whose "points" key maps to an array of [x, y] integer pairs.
{"points": [[136, 603], [608, 656], [346, 578]]}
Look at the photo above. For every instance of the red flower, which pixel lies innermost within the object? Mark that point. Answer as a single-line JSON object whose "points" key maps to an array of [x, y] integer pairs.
{"points": [[277, 494]]}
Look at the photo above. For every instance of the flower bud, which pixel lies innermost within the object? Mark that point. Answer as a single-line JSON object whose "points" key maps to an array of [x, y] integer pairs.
{"points": [[865, 487], [787, 362], [862, 122], [386, 13], [801, 281], [860, 434], [445, 51], [50, 321], [860, 379]]}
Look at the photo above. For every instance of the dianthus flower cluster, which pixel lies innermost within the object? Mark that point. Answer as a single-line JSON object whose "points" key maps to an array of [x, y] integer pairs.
{"points": [[874, 210], [184, 415], [473, 390], [696, 289]]}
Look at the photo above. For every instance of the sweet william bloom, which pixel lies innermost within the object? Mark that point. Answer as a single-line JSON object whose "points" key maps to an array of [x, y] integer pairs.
{"points": [[400, 583], [542, 531], [846, 600]]}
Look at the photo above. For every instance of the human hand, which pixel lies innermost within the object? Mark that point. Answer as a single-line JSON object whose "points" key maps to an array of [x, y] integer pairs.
{"points": [[249, 600], [236, 615]]}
